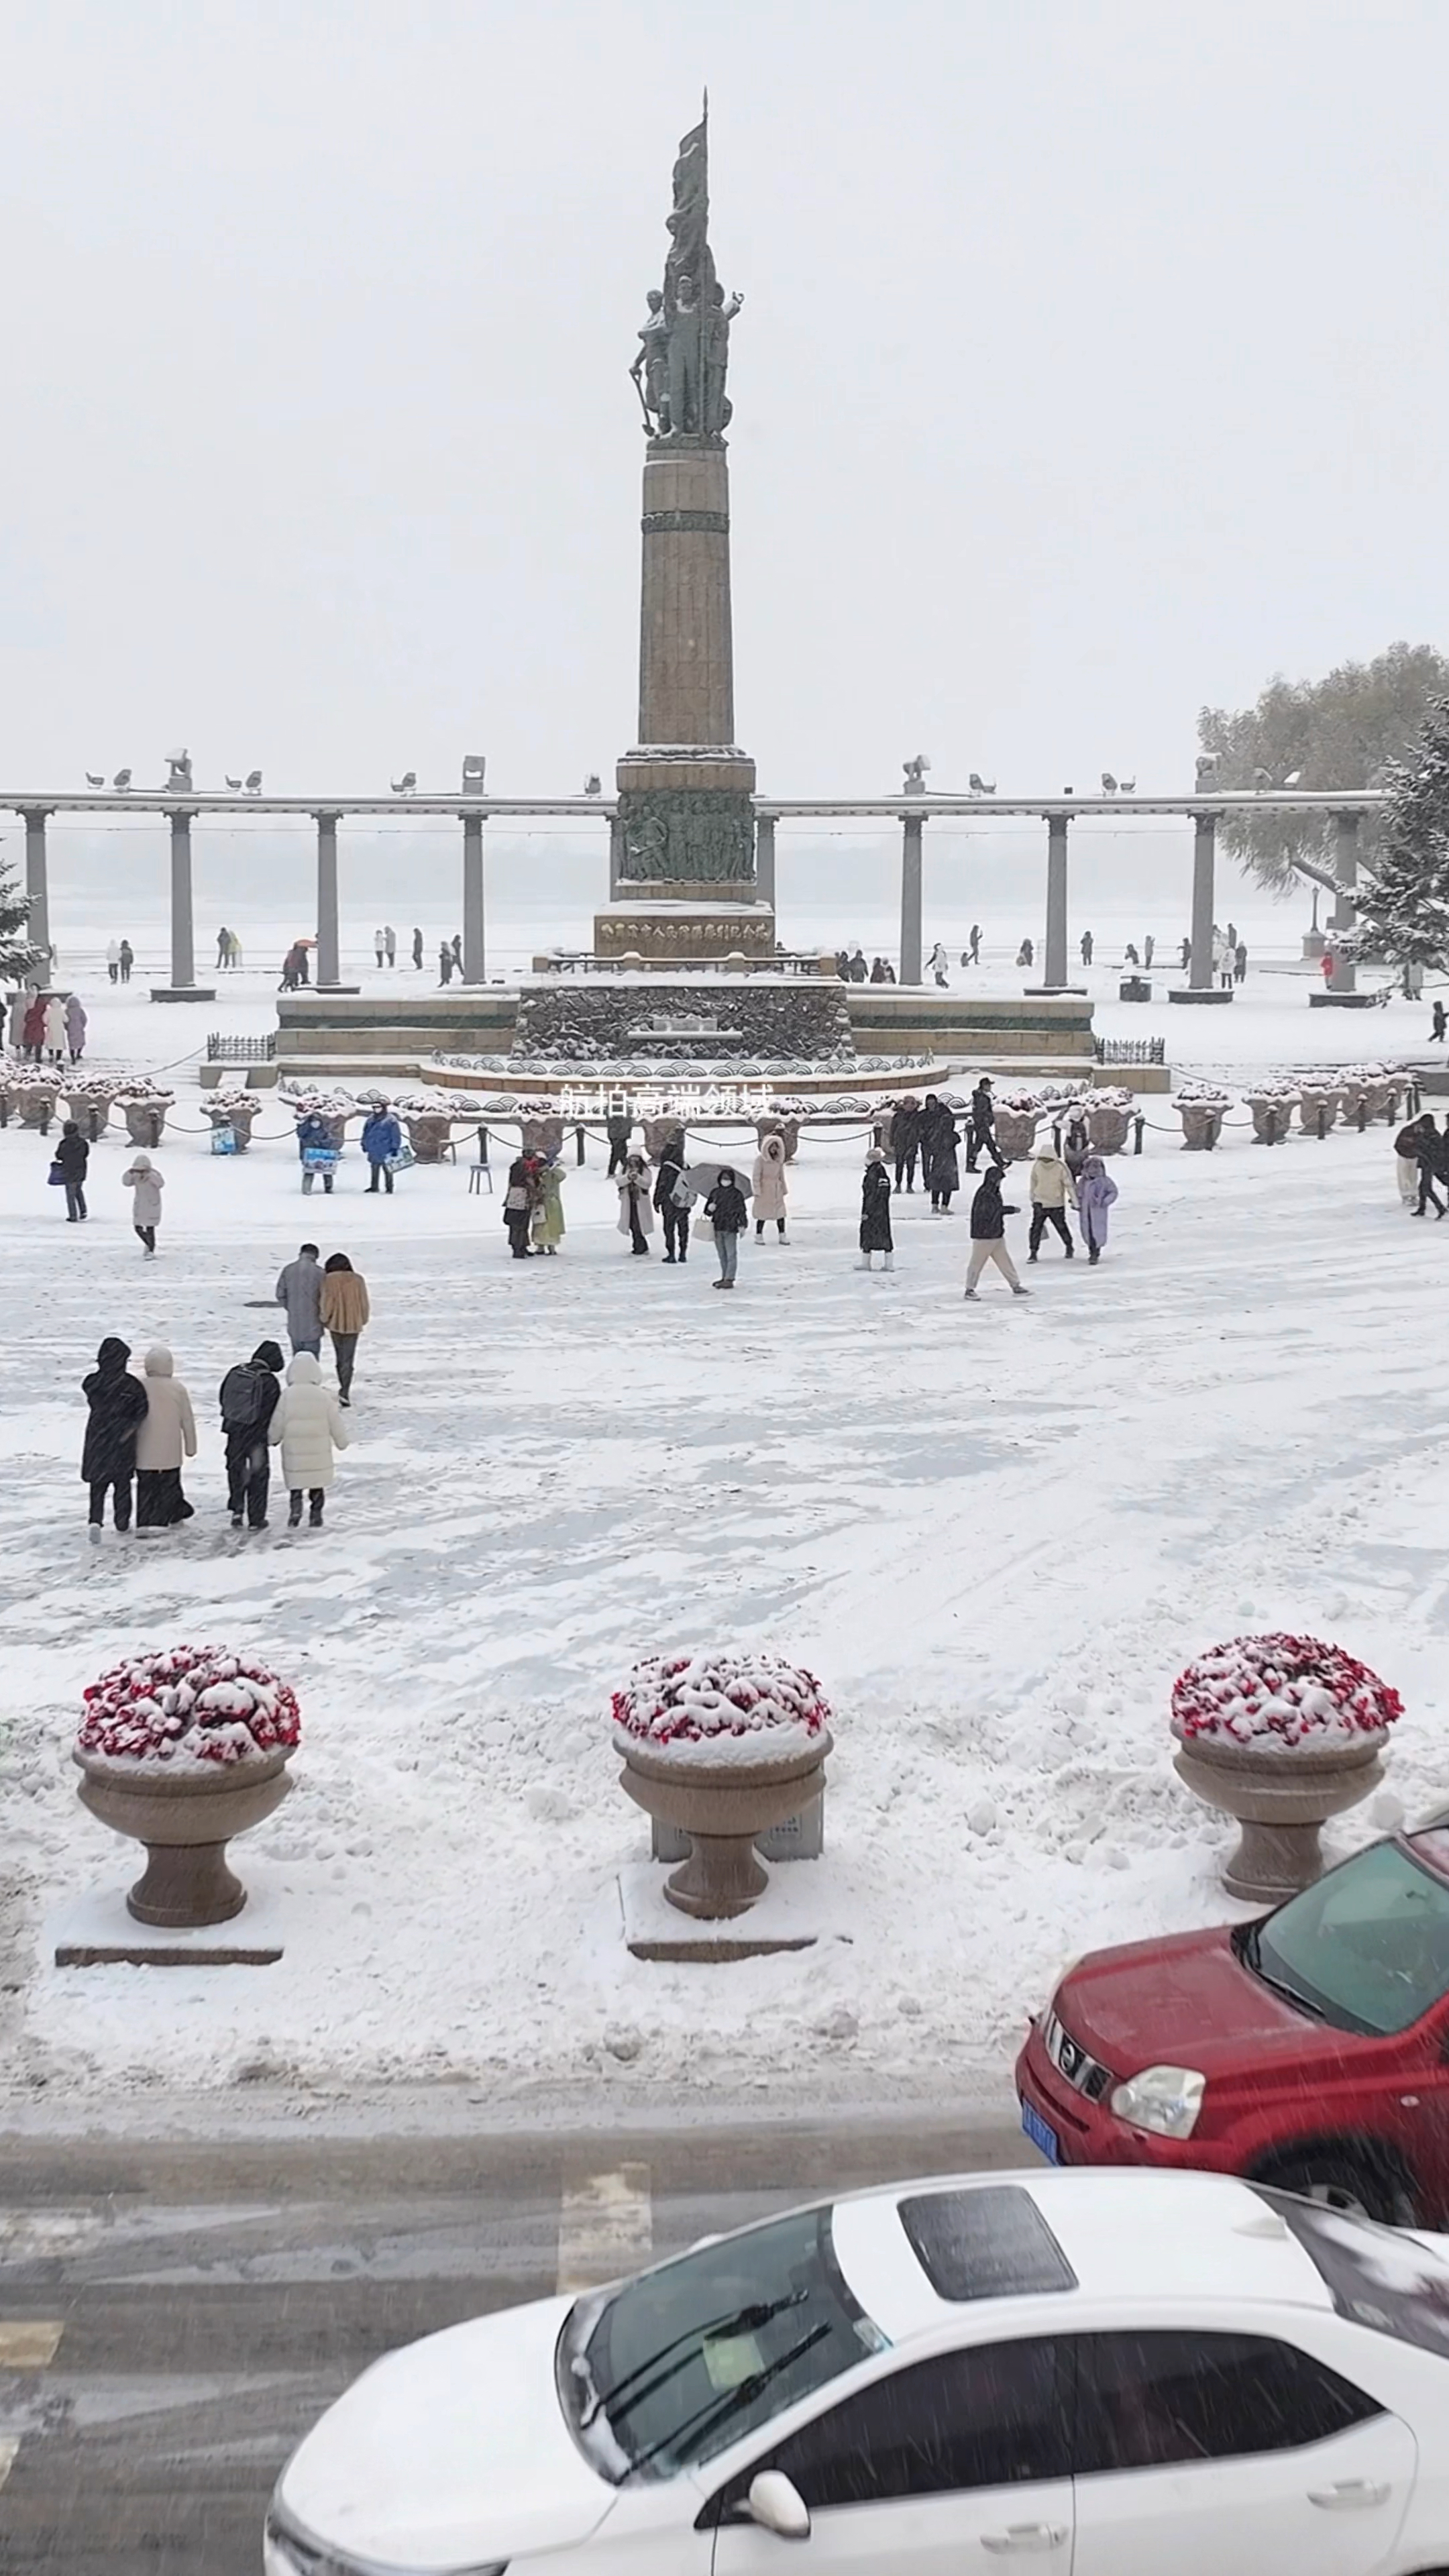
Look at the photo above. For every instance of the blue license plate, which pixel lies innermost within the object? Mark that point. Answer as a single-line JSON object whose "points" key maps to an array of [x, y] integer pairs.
{"points": [[1040, 2134]]}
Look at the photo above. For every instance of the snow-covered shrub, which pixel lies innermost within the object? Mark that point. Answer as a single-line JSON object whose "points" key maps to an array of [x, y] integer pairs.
{"points": [[725, 1707], [188, 1704], [1282, 1690]]}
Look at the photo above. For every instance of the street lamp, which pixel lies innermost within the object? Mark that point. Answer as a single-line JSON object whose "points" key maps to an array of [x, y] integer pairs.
{"points": [[474, 768]]}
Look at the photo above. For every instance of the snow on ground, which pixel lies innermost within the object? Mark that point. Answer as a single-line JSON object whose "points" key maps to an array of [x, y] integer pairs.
{"points": [[995, 1536]]}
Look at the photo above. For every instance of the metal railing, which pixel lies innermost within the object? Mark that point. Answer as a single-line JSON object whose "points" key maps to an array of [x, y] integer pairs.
{"points": [[225, 1050], [1130, 1050]]}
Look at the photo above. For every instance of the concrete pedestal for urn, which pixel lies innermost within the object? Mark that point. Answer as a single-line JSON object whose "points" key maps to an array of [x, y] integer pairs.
{"points": [[722, 1806], [1282, 1796], [185, 1819]]}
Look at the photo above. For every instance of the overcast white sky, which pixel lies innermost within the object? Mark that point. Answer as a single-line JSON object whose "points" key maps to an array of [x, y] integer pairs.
{"points": [[1093, 364]]}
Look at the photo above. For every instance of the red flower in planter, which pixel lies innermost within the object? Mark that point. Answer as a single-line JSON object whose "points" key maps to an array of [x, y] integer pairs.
{"points": [[1281, 1690], [189, 1704], [725, 1707]]}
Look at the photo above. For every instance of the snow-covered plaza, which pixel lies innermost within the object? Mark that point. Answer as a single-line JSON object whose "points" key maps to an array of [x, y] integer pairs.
{"points": [[995, 1533]]}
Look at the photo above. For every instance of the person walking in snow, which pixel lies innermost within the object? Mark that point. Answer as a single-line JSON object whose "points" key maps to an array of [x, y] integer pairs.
{"points": [[1096, 1193], [344, 1311], [113, 962], [167, 1435], [1053, 1191], [418, 950], [988, 1235], [145, 1184], [32, 1028], [674, 1198], [935, 1118], [547, 1226], [636, 1212], [381, 1140], [1086, 944], [308, 1428], [945, 1171], [1076, 1144], [379, 945], [618, 1127], [1439, 1024], [389, 942], [249, 1395], [875, 1213], [772, 1187], [905, 1140], [73, 1155], [938, 965], [975, 949], [445, 963], [1406, 1161], [726, 1211], [299, 1289], [116, 1408], [519, 1199], [1430, 1152], [983, 1125], [75, 1026]]}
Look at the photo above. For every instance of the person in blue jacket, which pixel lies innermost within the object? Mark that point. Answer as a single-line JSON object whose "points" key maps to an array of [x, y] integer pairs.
{"points": [[314, 1136], [381, 1139]]}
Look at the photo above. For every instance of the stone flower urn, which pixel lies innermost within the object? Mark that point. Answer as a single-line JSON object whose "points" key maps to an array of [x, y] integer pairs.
{"points": [[1107, 1125], [182, 1749], [91, 1109], [1272, 1115], [1016, 1130], [1202, 1123], [145, 1120], [541, 1135], [36, 1104], [428, 1133], [1314, 1097], [238, 1111], [722, 1747], [1280, 1733], [185, 1819]]}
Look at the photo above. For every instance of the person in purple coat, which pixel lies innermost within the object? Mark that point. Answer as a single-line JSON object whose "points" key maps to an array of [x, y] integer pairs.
{"points": [[1096, 1191]]}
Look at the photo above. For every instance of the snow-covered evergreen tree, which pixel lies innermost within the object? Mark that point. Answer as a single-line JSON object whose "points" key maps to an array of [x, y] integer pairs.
{"points": [[1403, 905], [16, 951]]}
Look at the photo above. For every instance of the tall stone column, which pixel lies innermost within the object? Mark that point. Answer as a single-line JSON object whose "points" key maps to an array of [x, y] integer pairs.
{"points": [[37, 891], [1204, 855], [1054, 964], [183, 936], [474, 953], [911, 898], [329, 932], [1345, 907], [686, 645]]}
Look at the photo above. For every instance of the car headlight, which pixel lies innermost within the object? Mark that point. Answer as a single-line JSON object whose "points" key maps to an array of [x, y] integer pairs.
{"points": [[287, 2550], [1163, 2099]]}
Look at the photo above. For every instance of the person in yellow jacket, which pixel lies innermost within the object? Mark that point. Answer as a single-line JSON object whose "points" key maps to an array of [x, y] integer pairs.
{"points": [[345, 1310]]}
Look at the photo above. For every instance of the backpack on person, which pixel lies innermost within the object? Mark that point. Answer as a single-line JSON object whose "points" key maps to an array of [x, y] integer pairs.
{"points": [[242, 1391]]}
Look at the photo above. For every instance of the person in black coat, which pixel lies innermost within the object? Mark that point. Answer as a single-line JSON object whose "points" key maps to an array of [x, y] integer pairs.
{"points": [[726, 1211], [248, 1396], [945, 1172], [988, 1235], [983, 1125], [117, 1404], [1431, 1151], [905, 1135], [673, 1211], [875, 1212], [73, 1155], [618, 1128], [935, 1121]]}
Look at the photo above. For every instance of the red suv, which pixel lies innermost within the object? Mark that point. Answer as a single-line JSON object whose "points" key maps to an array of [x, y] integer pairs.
{"points": [[1309, 2049]]}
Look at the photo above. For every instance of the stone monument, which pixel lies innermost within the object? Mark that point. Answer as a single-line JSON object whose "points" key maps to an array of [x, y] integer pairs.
{"points": [[682, 870]]}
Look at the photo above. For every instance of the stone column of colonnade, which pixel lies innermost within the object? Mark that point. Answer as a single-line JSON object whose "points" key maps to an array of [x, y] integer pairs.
{"points": [[37, 891], [1345, 907], [911, 852]]}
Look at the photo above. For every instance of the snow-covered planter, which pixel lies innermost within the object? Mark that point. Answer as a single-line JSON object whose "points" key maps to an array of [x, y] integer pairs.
{"points": [[1370, 1088], [181, 1750], [1317, 1098], [143, 1105], [1202, 1109], [722, 1747], [1109, 1115], [236, 1109], [88, 1102], [334, 1108], [1280, 1732], [34, 1091], [1017, 1116], [1271, 1105], [541, 1133]]}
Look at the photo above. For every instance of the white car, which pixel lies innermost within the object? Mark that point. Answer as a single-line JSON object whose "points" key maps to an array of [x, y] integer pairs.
{"points": [[1105, 2373]]}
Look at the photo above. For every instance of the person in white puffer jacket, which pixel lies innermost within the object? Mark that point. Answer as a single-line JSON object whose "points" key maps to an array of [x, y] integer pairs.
{"points": [[308, 1426]]}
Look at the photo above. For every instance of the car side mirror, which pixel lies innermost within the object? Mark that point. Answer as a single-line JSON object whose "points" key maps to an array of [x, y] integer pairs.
{"points": [[777, 2505]]}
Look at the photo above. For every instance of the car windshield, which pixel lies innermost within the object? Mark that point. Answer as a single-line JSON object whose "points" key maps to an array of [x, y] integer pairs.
{"points": [[1366, 1948], [1379, 2276], [673, 2367]]}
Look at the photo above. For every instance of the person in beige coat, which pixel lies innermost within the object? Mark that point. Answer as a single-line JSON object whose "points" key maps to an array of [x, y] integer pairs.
{"points": [[167, 1435], [1053, 1191], [345, 1311], [771, 1186], [145, 1185], [308, 1426]]}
